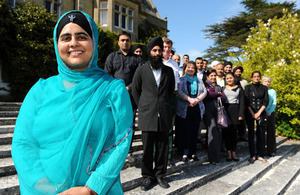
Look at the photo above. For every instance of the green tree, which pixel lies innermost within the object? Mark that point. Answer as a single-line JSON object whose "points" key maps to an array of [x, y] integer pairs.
{"points": [[7, 36], [273, 47], [147, 31], [108, 42], [231, 34], [33, 56]]}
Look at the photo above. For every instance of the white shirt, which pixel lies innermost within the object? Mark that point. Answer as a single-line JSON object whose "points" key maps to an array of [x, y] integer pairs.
{"points": [[220, 82], [171, 63], [157, 75], [200, 75]]}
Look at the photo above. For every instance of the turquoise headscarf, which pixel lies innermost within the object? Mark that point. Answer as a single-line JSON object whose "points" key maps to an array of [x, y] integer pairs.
{"points": [[73, 129]]}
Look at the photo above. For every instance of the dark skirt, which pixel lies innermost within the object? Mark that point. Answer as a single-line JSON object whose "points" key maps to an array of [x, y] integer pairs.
{"points": [[214, 133]]}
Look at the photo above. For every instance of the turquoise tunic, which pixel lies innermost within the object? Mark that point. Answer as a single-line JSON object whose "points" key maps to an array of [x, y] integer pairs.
{"points": [[272, 101], [73, 129]]}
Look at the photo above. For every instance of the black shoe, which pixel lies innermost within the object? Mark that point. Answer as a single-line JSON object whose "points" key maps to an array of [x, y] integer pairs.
{"points": [[185, 159], [272, 155], [252, 159], [236, 159], [146, 184], [162, 183], [195, 158], [228, 159]]}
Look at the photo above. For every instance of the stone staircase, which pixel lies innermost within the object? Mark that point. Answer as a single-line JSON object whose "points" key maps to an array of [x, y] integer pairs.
{"points": [[279, 175]]}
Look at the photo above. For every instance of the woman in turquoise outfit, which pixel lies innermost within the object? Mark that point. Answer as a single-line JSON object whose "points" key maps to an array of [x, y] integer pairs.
{"points": [[73, 131], [270, 111]]}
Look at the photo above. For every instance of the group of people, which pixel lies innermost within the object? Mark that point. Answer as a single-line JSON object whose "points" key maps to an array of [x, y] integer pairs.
{"points": [[199, 92], [74, 130]]}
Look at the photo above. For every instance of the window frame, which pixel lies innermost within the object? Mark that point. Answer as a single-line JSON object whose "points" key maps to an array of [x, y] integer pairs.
{"points": [[125, 17]]}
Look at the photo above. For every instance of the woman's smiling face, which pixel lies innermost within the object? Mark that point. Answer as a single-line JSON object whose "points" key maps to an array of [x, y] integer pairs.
{"points": [[75, 47]]}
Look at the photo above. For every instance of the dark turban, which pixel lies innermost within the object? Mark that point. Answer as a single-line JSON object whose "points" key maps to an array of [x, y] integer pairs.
{"points": [[156, 41], [77, 18], [135, 47], [238, 67]]}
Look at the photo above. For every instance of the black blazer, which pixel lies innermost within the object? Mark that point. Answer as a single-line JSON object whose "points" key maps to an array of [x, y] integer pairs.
{"points": [[151, 99]]}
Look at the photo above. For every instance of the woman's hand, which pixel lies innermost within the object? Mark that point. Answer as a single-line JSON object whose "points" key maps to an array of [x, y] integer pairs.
{"points": [[76, 191], [193, 102], [256, 116], [240, 118]]}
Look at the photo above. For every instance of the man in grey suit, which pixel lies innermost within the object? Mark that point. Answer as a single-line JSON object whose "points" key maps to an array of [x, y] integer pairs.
{"points": [[152, 90]]}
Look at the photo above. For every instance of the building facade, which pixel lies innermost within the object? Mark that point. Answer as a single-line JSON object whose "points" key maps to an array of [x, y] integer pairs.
{"points": [[113, 15]]}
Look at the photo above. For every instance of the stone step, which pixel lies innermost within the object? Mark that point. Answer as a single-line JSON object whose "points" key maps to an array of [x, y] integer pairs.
{"points": [[5, 151], [7, 167], [10, 104], [9, 108], [6, 129], [294, 188], [8, 121], [6, 138], [9, 185], [9, 114], [131, 177], [278, 179], [238, 180]]}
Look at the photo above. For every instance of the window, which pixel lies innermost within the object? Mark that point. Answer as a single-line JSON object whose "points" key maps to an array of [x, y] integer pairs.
{"points": [[103, 5], [53, 6], [48, 6], [103, 18], [130, 20], [123, 10], [123, 18], [124, 22], [11, 3], [130, 24], [117, 16], [103, 14]]}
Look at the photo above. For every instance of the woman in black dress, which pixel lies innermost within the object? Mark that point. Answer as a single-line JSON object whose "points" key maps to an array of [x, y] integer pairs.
{"points": [[257, 100], [234, 105]]}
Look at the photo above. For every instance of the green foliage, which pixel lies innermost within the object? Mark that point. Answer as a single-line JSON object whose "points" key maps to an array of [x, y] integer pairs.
{"points": [[274, 49], [147, 31], [231, 34], [32, 55], [107, 43]]}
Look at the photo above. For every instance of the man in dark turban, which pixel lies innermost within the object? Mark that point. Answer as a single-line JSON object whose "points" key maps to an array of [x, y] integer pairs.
{"points": [[153, 87]]}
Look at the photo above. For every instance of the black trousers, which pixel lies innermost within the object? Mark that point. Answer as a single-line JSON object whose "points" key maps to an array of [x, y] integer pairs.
{"points": [[159, 139], [230, 137], [259, 149], [271, 138]]}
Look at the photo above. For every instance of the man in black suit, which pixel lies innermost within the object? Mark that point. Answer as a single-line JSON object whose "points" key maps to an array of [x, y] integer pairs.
{"points": [[152, 90]]}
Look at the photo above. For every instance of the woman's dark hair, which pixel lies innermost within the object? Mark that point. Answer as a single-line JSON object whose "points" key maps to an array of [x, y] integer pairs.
{"points": [[255, 72], [185, 65], [210, 71], [227, 73], [227, 63]]}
